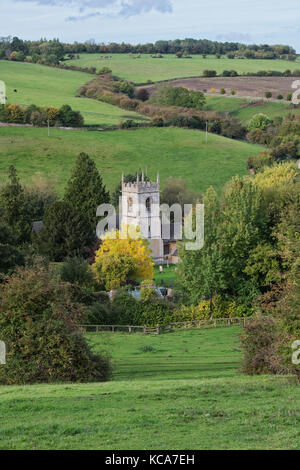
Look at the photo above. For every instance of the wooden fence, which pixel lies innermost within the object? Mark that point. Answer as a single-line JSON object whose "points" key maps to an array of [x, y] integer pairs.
{"points": [[212, 323]]}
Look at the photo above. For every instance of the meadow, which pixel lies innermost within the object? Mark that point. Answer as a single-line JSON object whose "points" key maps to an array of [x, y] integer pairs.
{"points": [[47, 86], [180, 390], [244, 109], [146, 68], [176, 152]]}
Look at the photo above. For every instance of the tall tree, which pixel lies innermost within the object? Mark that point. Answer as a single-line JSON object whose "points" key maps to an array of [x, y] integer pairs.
{"points": [[65, 232], [85, 190], [13, 208], [10, 255], [200, 272]]}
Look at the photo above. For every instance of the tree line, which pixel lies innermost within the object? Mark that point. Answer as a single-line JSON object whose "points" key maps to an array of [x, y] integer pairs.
{"points": [[56, 50]]}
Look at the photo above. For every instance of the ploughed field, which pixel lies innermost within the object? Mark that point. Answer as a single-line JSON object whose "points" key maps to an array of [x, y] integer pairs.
{"points": [[179, 391], [244, 86]]}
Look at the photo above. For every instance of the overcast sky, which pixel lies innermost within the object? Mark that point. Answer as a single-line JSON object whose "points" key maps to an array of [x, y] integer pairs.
{"points": [[254, 21]]}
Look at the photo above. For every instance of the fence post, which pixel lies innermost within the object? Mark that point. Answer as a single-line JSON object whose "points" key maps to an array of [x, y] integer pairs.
{"points": [[145, 330], [244, 321], [215, 324], [157, 329], [129, 329]]}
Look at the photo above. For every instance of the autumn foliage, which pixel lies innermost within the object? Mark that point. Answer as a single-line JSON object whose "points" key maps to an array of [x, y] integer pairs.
{"points": [[124, 255]]}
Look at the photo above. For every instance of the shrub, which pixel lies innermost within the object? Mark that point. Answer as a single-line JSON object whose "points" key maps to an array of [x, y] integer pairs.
{"points": [[104, 70], [259, 121], [125, 87], [142, 94], [223, 91], [77, 271], [128, 124], [279, 97], [257, 162], [259, 346], [209, 73], [39, 324], [70, 118], [289, 96], [233, 92], [268, 94]]}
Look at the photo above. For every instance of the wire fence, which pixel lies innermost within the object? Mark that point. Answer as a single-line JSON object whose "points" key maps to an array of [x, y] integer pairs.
{"points": [[158, 329]]}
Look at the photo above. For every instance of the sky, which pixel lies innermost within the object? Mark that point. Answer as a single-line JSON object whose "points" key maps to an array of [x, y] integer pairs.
{"points": [[140, 21]]}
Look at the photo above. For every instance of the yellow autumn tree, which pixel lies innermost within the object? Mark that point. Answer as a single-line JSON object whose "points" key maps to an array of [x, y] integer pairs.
{"points": [[123, 255]]}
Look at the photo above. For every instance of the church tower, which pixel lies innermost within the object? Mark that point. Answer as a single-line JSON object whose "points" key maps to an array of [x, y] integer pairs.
{"points": [[141, 207]]}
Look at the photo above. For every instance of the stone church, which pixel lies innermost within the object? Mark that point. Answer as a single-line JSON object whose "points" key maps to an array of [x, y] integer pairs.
{"points": [[140, 206]]}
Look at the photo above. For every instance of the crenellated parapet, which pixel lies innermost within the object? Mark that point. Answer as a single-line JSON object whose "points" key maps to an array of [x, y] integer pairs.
{"points": [[141, 186]]}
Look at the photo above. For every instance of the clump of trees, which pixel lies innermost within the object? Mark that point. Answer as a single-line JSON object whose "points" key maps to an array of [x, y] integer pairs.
{"points": [[281, 134], [168, 95], [41, 116]]}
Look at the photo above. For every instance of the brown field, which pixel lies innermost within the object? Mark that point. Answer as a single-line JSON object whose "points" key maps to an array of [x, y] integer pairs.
{"points": [[244, 86]]}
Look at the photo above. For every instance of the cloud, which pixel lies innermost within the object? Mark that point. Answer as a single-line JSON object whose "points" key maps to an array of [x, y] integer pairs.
{"points": [[111, 8], [83, 17], [135, 7]]}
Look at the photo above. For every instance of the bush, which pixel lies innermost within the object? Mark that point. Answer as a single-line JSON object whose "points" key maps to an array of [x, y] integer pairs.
{"points": [[223, 91], [279, 97], [209, 73], [259, 346], [70, 118], [257, 162], [142, 94], [259, 121], [39, 324], [104, 70], [126, 88], [268, 94], [77, 271]]}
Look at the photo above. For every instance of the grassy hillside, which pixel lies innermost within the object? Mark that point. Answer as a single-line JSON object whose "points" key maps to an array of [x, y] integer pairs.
{"points": [[171, 151], [243, 110], [146, 68], [185, 394], [46, 86]]}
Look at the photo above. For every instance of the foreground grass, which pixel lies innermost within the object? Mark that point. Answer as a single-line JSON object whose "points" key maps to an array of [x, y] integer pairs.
{"points": [[181, 153], [146, 68], [47, 86], [209, 407]]}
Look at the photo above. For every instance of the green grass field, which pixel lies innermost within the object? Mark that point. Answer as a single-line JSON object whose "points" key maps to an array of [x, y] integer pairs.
{"points": [[171, 151], [46, 86], [243, 110], [186, 393], [146, 68]]}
